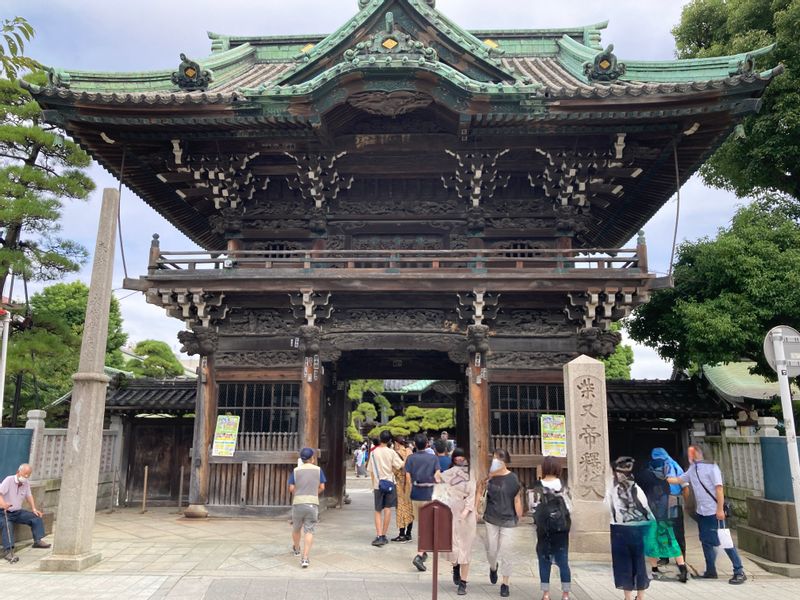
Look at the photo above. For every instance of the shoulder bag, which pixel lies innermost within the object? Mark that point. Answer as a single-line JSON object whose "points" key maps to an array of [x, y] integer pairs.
{"points": [[384, 485]]}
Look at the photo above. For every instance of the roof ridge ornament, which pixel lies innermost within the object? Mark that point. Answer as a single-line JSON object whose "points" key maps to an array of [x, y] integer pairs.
{"points": [[605, 66], [191, 76], [390, 44]]}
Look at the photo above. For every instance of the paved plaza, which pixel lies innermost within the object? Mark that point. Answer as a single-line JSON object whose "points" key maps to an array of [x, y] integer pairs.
{"points": [[160, 555]]}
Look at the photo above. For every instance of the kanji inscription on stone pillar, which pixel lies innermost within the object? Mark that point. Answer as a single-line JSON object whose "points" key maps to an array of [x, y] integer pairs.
{"points": [[587, 427]]}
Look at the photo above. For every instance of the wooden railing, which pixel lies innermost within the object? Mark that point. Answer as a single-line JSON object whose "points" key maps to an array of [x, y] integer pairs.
{"points": [[547, 259], [267, 442]]}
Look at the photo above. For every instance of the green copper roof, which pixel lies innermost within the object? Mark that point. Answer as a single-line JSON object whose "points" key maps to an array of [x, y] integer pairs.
{"points": [[528, 67], [735, 383], [417, 386]]}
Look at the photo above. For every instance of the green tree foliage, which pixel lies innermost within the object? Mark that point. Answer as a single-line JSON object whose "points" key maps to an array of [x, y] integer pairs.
{"points": [[364, 412], [39, 168], [45, 351], [416, 419], [767, 155], [15, 33], [67, 301], [158, 361], [618, 365], [729, 291]]}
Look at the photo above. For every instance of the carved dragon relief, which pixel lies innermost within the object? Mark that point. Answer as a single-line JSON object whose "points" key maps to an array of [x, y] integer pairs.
{"points": [[389, 319]]}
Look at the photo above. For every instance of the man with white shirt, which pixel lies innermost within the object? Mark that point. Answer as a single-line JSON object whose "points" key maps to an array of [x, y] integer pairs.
{"points": [[14, 491]]}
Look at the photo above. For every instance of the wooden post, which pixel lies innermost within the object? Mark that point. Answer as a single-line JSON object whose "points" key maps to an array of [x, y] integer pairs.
{"points": [[155, 254], [205, 419], [310, 398], [641, 250], [180, 490], [144, 491], [477, 380]]}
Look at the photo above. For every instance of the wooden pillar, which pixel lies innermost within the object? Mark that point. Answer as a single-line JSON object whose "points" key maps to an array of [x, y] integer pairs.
{"points": [[202, 341], [478, 384], [336, 405], [311, 387], [310, 398]]}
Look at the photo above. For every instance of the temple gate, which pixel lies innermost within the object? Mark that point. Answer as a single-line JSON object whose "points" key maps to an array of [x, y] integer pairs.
{"points": [[399, 199]]}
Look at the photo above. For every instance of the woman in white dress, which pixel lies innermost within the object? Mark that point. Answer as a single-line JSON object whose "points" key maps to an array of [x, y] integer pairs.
{"points": [[457, 490]]}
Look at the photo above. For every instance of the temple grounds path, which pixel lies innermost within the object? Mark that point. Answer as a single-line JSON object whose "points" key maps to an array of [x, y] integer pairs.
{"points": [[160, 555]]}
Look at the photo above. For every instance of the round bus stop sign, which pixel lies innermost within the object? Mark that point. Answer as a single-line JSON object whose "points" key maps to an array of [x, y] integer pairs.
{"points": [[791, 349]]}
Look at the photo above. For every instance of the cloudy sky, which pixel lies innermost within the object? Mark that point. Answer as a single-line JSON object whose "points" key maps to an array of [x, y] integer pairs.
{"points": [[98, 35]]}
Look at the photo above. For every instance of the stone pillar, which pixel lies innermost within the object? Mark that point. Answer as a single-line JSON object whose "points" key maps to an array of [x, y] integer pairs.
{"points": [[766, 427], [36, 422], [202, 341], [72, 547], [477, 380], [311, 387], [588, 457]]}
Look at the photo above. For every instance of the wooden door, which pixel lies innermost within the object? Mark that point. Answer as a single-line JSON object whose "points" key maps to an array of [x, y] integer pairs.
{"points": [[163, 446]]}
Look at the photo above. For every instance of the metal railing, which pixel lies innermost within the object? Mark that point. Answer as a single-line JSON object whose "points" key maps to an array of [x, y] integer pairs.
{"points": [[443, 260]]}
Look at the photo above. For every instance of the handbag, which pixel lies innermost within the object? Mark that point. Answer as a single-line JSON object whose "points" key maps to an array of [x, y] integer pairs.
{"points": [[724, 535], [481, 508], [726, 506]]}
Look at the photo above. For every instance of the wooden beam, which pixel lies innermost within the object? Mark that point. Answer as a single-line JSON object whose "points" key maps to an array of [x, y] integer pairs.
{"points": [[479, 439]]}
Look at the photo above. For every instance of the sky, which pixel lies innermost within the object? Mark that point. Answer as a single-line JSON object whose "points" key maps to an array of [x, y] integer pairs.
{"points": [[99, 35]]}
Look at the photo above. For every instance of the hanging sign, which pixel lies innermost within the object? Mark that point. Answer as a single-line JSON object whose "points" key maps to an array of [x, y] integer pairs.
{"points": [[225, 435], [554, 435]]}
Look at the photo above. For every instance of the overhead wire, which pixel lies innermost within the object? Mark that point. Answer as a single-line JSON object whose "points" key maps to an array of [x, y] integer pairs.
{"points": [[119, 212], [678, 206]]}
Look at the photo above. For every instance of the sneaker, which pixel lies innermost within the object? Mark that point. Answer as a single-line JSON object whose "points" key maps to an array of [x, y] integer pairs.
{"points": [[462, 588], [295, 551], [405, 540], [419, 562], [378, 541], [40, 544], [384, 540], [303, 563], [504, 591], [493, 576], [457, 575], [737, 579], [706, 576], [399, 538]]}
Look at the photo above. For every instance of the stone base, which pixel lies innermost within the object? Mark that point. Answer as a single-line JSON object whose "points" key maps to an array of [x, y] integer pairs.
{"points": [[195, 511], [784, 569], [69, 563], [772, 547], [590, 528]]}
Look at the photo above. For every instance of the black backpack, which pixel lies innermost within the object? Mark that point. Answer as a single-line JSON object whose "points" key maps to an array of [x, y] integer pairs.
{"points": [[551, 515]]}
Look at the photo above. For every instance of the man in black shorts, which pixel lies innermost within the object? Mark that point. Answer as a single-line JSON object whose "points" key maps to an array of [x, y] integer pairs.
{"points": [[382, 462]]}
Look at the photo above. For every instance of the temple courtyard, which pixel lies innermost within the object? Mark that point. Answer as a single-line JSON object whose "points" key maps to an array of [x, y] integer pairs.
{"points": [[160, 554]]}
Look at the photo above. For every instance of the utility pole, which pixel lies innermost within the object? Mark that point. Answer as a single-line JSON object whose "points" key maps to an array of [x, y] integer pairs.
{"points": [[779, 342]]}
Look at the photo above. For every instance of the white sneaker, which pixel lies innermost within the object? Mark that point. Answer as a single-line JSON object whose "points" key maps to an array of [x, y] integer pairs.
{"points": [[295, 551], [304, 563]]}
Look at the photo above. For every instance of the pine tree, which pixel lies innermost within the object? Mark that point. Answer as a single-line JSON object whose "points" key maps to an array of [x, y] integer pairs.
{"points": [[39, 168]]}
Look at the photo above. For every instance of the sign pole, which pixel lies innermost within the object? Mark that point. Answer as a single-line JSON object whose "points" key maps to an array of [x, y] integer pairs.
{"points": [[5, 323], [435, 592], [781, 365]]}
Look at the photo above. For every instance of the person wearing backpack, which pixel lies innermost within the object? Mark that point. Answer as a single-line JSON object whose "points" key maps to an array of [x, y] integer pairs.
{"points": [[552, 519]]}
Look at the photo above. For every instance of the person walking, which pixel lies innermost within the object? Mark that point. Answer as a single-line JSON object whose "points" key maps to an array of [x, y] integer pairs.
{"points": [[361, 460], [458, 489], [405, 511], [382, 463], [422, 471], [705, 479], [630, 520], [503, 512], [306, 483], [553, 521], [660, 543], [678, 495]]}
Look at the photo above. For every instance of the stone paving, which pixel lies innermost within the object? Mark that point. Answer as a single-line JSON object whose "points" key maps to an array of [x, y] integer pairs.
{"points": [[160, 555]]}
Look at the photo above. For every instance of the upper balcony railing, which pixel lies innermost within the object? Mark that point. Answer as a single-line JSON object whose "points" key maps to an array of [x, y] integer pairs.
{"points": [[550, 260]]}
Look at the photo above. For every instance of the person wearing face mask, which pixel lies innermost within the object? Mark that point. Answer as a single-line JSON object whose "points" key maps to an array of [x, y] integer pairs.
{"points": [[503, 511], [631, 519], [14, 491], [457, 489]]}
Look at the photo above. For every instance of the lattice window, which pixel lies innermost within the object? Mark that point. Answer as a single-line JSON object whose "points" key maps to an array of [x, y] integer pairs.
{"points": [[516, 409], [277, 247], [262, 407]]}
